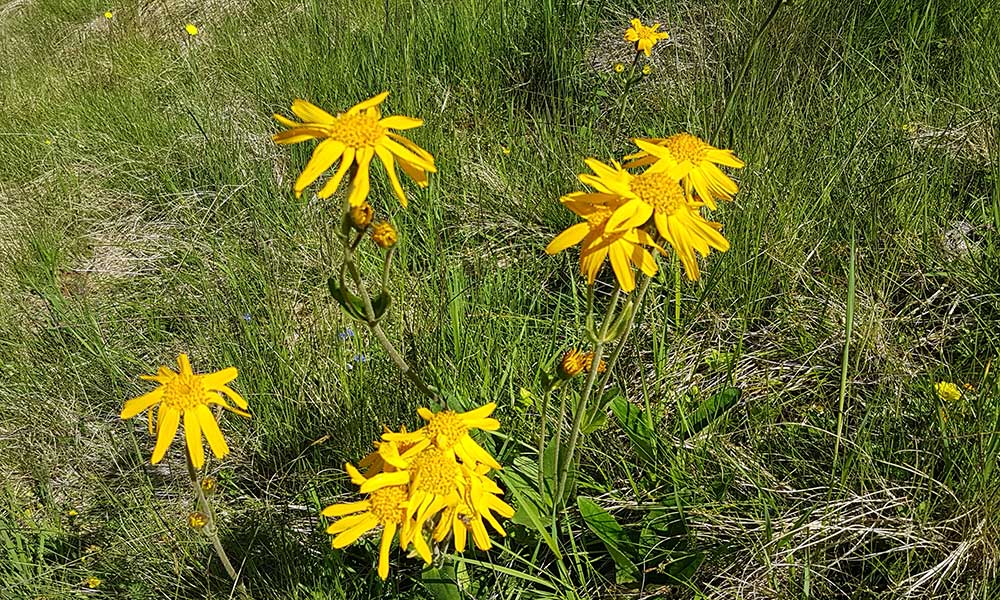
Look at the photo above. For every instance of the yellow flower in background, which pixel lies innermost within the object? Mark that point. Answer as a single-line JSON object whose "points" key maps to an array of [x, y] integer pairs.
{"points": [[646, 69], [947, 391], [185, 394], [197, 520], [619, 67], [644, 37], [92, 582], [693, 162], [191, 29], [109, 15], [355, 138], [384, 506], [505, 150], [588, 363]]}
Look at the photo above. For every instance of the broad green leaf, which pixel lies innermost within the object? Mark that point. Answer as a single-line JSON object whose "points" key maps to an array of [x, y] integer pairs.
{"points": [[709, 411], [632, 420], [604, 525], [521, 478], [442, 582]]}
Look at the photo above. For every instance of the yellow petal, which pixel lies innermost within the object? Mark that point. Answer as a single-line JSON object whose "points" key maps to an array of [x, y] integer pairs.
{"points": [[373, 101], [400, 122], [233, 395], [384, 480], [184, 364], [345, 163], [192, 434], [351, 535], [360, 184], [383, 550], [137, 405], [167, 428], [323, 157], [211, 430], [390, 169], [623, 270], [570, 237], [218, 378], [309, 112], [347, 508]]}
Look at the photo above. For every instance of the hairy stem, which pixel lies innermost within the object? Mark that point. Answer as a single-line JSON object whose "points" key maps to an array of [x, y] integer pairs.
{"points": [[210, 528]]}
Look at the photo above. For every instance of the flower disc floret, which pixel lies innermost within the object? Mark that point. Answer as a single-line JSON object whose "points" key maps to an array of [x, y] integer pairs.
{"points": [[433, 471], [660, 191], [357, 130], [387, 503], [446, 428]]}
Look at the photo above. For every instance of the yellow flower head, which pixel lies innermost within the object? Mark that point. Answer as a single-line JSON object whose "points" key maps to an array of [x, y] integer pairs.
{"points": [[692, 161], [109, 15], [354, 138], [478, 501], [619, 67], [947, 391], [611, 229], [384, 235], [505, 149], [384, 506], [646, 69], [588, 363], [644, 37], [191, 29], [197, 520], [572, 363], [185, 394], [92, 582], [449, 431], [209, 485]]}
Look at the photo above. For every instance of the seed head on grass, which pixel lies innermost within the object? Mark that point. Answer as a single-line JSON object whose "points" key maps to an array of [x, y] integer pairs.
{"points": [[355, 138], [692, 161], [185, 394], [644, 37]]}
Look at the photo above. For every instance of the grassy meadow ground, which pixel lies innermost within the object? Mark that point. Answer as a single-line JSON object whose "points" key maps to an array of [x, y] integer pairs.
{"points": [[144, 211]]}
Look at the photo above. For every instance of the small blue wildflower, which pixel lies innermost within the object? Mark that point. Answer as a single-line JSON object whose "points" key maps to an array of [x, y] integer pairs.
{"points": [[346, 334], [247, 317]]}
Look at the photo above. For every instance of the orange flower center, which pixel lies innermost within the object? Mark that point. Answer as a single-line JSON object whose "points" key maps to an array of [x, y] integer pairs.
{"points": [[184, 392], [434, 472], [357, 131], [685, 146], [660, 191], [387, 504], [448, 425]]}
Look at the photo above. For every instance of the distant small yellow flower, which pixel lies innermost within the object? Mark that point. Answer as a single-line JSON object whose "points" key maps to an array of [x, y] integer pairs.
{"points": [[191, 29], [185, 394], [109, 15], [505, 149], [71, 513], [355, 137], [572, 363], [197, 520], [92, 582], [646, 69], [384, 235], [968, 387], [619, 67], [947, 391], [644, 37], [48, 142]]}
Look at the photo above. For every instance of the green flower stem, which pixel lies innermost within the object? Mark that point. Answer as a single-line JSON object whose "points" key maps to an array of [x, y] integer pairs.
{"points": [[629, 82], [640, 295], [677, 293], [588, 388], [210, 529]]}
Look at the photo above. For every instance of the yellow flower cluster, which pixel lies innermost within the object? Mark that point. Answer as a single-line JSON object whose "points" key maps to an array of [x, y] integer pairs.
{"points": [[630, 213], [429, 482]]}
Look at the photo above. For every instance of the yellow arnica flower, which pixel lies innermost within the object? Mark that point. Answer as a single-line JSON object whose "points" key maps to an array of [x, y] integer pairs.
{"points": [[611, 228], [109, 15], [692, 161], [644, 37], [355, 138], [449, 431], [191, 29], [479, 500], [947, 391], [677, 219], [572, 363], [384, 506], [185, 394]]}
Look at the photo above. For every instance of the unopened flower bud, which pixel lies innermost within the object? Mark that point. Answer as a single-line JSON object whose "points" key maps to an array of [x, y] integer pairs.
{"points": [[572, 364], [197, 520], [362, 215], [209, 485], [384, 235]]}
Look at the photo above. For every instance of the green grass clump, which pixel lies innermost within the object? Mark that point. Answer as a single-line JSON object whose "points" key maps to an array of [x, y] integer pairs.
{"points": [[144, 211]]}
